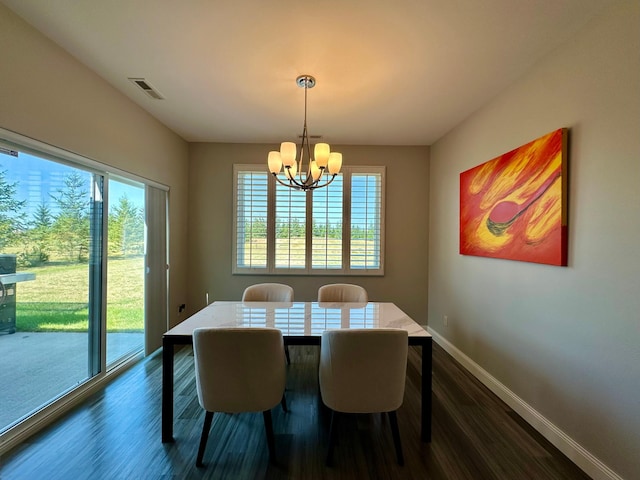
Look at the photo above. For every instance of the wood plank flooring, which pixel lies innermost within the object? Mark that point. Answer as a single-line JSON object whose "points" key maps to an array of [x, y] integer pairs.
{"points": [[116, 434]]}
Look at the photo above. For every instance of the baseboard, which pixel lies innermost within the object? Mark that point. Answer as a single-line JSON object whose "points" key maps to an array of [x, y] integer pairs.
{"points": [[591, 465]]}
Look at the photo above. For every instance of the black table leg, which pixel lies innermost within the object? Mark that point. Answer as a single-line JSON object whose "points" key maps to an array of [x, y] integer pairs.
{"points": [[167, 390], [427, 351]]}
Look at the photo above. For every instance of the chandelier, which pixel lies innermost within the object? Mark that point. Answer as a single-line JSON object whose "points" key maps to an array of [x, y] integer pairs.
{"points": [[323, 158]]}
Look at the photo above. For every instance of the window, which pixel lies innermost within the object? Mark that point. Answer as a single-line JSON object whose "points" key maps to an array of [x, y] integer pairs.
{"points": [[125, 268], [334, 230], [74, 267]]}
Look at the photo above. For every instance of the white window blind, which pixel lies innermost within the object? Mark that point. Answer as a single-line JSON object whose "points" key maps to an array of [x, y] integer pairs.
{"points": [[291, 219], [366, 194], [327, 233], [251, 219], [336, 230]]}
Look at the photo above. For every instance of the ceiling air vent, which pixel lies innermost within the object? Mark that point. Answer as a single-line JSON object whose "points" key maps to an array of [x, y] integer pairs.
{"points": [[147, 88]]}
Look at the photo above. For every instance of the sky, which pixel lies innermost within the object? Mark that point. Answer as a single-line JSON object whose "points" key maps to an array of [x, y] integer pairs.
{"points": [[37, 179]]}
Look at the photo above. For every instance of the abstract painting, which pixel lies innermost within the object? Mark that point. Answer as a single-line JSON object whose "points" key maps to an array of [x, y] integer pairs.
{"points": [[515, 206]]}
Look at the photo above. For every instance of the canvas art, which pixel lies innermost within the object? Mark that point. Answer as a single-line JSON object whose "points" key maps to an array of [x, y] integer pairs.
{"points": [[515, 206]]}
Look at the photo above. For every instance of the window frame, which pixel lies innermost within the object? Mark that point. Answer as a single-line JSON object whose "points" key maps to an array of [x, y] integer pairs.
{"points": [[347, 173], [99, 368]]}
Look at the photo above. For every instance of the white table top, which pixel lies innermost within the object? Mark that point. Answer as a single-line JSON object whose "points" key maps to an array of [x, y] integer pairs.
{"points": [[299, 318]]}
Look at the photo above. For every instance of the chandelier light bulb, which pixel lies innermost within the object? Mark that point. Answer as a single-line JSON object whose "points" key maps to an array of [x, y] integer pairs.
{"points": [[316, 171], [292, 171], [288, 153], [275, 162], [335, 163], [321, 154]]}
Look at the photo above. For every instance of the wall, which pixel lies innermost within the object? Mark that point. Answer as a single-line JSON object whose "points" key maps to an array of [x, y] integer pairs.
{"points": [[47, 95], [211, 217], [563, 340]]}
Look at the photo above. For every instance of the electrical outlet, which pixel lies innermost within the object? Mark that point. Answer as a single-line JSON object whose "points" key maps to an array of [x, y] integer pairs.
{"points": [[445, 320]]}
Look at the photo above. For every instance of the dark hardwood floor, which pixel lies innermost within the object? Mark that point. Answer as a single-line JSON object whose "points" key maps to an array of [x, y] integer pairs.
{"points": [[116, 434]]}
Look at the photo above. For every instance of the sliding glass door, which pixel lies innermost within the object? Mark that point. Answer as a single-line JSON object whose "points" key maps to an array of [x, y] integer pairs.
{"points": [[125, 269], [72, 277], [49, 248]]}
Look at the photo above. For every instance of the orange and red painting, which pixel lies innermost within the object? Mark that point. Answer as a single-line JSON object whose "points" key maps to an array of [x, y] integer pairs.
{"points": [[515, 206]]}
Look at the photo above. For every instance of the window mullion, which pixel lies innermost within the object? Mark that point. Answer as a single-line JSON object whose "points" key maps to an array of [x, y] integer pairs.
{"points": [[346, 222], [308, 232], [97, 276], [271, 226]]}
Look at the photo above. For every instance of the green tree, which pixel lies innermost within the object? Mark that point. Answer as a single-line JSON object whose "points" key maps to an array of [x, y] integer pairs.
{"points": [[71, 224], [126, 228], [357, 232], [329, 231], [11, 216], [282, 229], [335, 231], [319, 230], [290, 229], [297, 229], [38, 238], [259, 228]]}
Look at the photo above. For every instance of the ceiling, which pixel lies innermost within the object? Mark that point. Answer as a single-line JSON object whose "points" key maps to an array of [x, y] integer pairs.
{"points": [[401, 72]]}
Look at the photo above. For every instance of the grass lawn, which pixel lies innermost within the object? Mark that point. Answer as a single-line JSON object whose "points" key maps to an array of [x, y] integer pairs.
{"points": [[327, 253], [57, 300]]}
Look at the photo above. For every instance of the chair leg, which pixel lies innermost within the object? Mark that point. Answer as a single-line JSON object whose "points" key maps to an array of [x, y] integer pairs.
{"points": [[286, 354], [208, 418], [268, 426], [283, 402], [393, 419], [332, 438]]}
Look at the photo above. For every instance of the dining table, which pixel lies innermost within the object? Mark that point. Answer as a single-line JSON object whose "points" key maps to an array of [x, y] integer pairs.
{"points": [[301, 323]]}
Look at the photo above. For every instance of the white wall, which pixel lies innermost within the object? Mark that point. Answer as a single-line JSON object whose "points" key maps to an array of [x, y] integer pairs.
{"points": [[564, 340], [46, 94]]}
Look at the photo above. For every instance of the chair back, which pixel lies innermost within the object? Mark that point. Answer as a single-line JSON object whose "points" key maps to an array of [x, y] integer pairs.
{"points": [[268, 292], [342, 292], [239, 369], [363, 370]]}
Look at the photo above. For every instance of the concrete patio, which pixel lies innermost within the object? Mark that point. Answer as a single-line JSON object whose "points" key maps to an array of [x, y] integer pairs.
{"points": [[37, 367]]}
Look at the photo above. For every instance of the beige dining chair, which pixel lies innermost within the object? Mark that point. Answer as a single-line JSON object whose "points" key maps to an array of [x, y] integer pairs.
{"points": [[254, 381], [363, 371], [342, 292], [269, 292]]}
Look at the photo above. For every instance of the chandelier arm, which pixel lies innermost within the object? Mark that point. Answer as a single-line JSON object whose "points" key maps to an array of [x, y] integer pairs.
{"points": [[333, 176], [305, 139], [303, 186], [292, 182]]}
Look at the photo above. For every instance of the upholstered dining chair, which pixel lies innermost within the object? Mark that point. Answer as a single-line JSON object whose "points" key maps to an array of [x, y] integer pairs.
{"points": [[253, 381], [269, 292], [363, 371], [342, 292]]}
